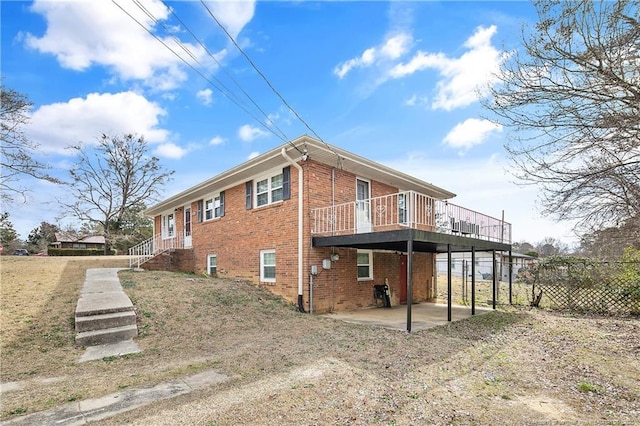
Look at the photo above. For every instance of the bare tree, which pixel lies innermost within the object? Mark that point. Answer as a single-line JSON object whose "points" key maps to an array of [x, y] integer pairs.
{"points": [[610, 243], [113, 178], [550, 246], [571, 100], [16, 150]]}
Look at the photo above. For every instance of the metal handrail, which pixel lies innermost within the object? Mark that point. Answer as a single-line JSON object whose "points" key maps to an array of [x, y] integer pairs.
{"points": [[152, 247], [408, 209]]}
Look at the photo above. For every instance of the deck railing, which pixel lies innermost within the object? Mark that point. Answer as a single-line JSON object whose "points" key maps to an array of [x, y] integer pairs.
{"points": [[407, 209], [152, 247]]}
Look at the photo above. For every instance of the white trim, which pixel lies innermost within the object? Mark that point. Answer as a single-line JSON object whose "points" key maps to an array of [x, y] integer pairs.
{"points": [[370, 265], [318, 151], [263, 265]]}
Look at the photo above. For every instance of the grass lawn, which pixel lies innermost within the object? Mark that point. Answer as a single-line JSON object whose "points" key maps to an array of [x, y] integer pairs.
{"points": [[512, 366]]}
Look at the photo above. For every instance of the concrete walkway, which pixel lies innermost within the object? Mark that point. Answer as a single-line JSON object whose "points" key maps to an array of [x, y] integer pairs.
{"points": [[90, 410], [105, 319]]}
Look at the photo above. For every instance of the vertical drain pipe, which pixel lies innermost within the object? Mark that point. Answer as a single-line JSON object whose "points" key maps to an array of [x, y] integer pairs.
{"points": [[300, 230]]}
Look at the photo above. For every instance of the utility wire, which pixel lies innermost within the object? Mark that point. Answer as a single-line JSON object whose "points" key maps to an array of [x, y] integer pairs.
{"points": [[229, 93], [195, 69], [267, 80], [226, 72]]}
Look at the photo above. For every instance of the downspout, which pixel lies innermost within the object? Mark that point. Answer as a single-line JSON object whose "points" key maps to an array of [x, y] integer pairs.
{"points": [[300, 229]]}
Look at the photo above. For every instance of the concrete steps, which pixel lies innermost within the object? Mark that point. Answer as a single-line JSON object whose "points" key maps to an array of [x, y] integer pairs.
{"points": [[105, 321], [107, 335], [104, 313]]}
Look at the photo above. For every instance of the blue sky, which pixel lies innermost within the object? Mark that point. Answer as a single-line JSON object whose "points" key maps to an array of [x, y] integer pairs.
{"points": [[397, 82]]}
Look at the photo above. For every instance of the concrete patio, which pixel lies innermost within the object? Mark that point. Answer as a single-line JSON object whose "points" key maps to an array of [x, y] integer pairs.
{"points": [[423, 316]]}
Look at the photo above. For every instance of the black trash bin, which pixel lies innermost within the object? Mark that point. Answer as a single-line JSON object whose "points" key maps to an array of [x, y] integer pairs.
{"points": [[381, 295]]}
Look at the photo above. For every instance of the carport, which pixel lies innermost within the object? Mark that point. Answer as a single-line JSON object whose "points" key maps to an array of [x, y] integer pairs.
{"points": [[415, 240]]}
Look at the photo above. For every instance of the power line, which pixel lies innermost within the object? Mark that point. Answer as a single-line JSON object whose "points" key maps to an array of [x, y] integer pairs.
{"points": [[226, 72], [229, 96], [254, 66], [229, 93]]}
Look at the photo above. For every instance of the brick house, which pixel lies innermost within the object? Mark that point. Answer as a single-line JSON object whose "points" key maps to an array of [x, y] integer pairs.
{"points": [[319, 226]]}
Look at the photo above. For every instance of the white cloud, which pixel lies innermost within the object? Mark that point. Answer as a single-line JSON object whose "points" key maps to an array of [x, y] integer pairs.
{"points": [[233, 15], [254, 154], [205, 96], [471, 132], [170, 150], [391, 49], [416, 100], [56, 126], [217, 140], [463, 79], [248, 133], [85, 33]]}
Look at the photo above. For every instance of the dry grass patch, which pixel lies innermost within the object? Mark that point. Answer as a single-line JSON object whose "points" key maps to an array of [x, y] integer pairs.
{"points": [[502, 367]]}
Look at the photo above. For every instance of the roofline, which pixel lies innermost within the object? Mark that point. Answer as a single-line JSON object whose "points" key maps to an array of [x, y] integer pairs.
{"points": [[293, 145], [444, 194]]}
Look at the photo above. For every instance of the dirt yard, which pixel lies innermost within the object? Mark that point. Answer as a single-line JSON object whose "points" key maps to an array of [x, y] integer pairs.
{"points": [[512, 366]]}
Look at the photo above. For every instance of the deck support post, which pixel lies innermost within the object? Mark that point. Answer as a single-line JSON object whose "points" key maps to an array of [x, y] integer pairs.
{"points": [[409, 279], [473, 280], [510, 278], [449, 282], [495, 285]]}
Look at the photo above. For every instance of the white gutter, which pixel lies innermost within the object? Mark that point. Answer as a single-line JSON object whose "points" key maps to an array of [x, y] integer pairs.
{"points": [[300, 228]]}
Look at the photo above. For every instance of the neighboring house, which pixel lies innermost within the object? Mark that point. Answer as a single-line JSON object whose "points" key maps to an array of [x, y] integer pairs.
{"points": [[66, 240], [484, 264], [319, 226]]}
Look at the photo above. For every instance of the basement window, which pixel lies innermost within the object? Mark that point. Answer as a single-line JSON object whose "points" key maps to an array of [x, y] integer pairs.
{"points": [[268, 266], [212, 264]]}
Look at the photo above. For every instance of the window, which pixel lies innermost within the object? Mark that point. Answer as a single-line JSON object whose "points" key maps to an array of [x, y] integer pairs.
{"points": [[214, 207], [208, 209], [365, 265], [217, 206], [269, 189], [268, 266], [168, 225], [262, 192], [212, 264]]}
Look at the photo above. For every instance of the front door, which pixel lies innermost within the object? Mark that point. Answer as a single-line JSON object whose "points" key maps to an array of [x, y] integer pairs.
{"points": [[402, 291], [363, 206], [187, 227]]}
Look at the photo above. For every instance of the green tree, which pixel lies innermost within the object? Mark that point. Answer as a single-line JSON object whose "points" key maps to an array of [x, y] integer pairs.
{"points": [[112, 181], [40, 237], [8, 234], [570, 100], [17, 151]]}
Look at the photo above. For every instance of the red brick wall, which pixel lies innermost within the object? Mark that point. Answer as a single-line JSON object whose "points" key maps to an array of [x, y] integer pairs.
{"points": [[237, 238], [176, 261]]}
